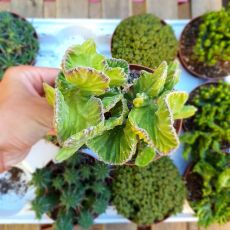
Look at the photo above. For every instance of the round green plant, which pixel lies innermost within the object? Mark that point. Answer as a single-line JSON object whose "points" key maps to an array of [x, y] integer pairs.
{"points": [[73, 192], [150, 194], [213, 41], [209, 128], [144, 39], [18, 41]]}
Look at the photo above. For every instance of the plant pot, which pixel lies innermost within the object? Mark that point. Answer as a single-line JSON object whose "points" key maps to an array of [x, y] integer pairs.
{"points": [[25, 49], [141, 62], [188, 123], [15, 192], [198, 69]]}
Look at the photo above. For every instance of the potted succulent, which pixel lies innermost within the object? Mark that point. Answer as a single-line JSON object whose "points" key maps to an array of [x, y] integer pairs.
{"points": [[148, 195], [204, 45], [18, 41], [95, 106], [209, 128], [144, 39], [208, 184], [73, 192]]}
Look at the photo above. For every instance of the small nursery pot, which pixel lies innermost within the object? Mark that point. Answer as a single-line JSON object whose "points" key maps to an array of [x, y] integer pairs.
{"points": [[185, 53]]}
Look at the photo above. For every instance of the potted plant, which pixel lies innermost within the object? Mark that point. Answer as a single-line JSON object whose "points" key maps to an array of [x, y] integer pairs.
{"points": [[208, 184], [204, 45], [95, 106], [18, 41], [73, 192], [209, 128], [148, 195], [144, 39], [14, 191]]}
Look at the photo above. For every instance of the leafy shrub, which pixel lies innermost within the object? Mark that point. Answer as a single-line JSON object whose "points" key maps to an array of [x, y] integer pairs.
{"points": [[214, 204], [18, 43], [144, 39], [73, 192], [213, 41], [109, 116], [209, 129], [149, 194]]}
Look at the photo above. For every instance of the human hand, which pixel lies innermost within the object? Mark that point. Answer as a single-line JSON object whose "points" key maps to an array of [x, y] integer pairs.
{"points": [[25, 116]]}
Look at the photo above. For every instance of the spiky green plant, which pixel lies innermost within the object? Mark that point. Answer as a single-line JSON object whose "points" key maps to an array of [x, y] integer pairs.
{"points": [[91, 99], [149, 194], [213, 41], [18, 43], [144, 39], [73, 192]]}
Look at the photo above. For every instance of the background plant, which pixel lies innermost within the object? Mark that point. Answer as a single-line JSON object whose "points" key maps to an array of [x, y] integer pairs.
{"points": [[73, 192], [149, 194], [18, 42], [213, 41], [209, 129], [144, 39], [95, 106], [214, 204]]}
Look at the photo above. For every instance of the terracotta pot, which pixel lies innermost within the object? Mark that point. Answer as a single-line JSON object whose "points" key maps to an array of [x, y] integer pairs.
{"points": [[201, 70]]}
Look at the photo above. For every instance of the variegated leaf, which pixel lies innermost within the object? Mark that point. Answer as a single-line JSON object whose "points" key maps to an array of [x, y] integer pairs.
{"points": [[49, 94], [152, 84]]}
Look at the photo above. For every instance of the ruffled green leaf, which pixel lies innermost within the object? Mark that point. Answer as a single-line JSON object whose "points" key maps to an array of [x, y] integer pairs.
{"points": [[64, 154], [223, 180], [83, 55], [88, 81], [117, 118], [115, 146], [176, 101], [49, 94], [110, 100], [154, 125], [173, 75], [75, 112], [145, 156], [117, 70], [152, 83]]}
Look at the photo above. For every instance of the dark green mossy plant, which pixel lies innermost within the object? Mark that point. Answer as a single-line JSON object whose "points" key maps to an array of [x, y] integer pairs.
{"points": [[73, 192], [209, 129], [213, 42], [18, 42], [213, 206], [144, 39], [149, 194]]}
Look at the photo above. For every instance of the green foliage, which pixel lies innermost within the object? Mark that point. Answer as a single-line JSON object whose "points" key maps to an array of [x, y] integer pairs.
{"points": [[42, 178], [210, 127], [214, 206], [149, 194], [213, 41], [75, 195], [144, 39], [91, 107], [18, 44]]}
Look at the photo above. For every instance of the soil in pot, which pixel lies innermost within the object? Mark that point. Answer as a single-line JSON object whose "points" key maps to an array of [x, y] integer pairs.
{"points": [[200, 69]]}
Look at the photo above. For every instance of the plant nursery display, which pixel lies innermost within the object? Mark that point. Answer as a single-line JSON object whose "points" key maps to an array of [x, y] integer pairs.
{"points": [[205, 45], [209, 128], [144, 39], [95, 106], [18, 41], [150, 194], [208, 183], [73, 192]]}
